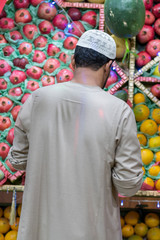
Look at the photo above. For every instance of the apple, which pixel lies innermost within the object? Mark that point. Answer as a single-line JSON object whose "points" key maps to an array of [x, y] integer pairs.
{"points": [[7, 162], [36, 2], [7, 23], [45, 27], [60, 21], [7, 51], [149, 18], [21, 3], [15, 92], [90, 17], [39, 56], [148, 4], [52, 50], [25, 48], [40, 42], [47, 80], [34, 72], [46, 11], [3, 14], [25, 97], [156, 10], [76, 28], [70, 43], [5, 123], [146, 34], [30, 30], [15, 35], [5, 104], [15, 110], [51, 65], [4, 67], [155, 90], [17, 77], [64, 57], [3, 84], [20, 62], [2, 39], [23, 16], [143, 58], [64, 75], [157, 26], [74, 13], [10, 136], [58, 35], [4, 149], [113, 78], [32, 85], [153, 47]]}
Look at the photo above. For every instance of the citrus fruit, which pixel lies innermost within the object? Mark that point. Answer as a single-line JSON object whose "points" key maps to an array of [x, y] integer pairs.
{"points": [[16, 224], [122, 221], [156, 71], [148, 184], [159, 129], [154, 142], [127, 231], [151, 220], [141, 112], [4, 225], [141, 229], [142, 139], [7, 211], [147, 156], [153, 234], [157, 156], [156, 115], [157, 184], [135, 237], [19, 209], [1, 212], [11, 235], [139, 98], [131, 218], [1, 236], [154, 170], [144, 171], [149, 127]]}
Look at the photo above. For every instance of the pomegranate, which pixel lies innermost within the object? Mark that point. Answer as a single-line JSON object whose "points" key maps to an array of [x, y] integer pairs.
{"points": [[157, 26], [15, 35], [25, 97], [17, 77], [146, 34], [64, 57], [58, 36], [155, 90], [15, 92], [47, 80], [46, 27], [25, 48], [23, 16], [32, 85], [15, 111], [2, 39], [51, 65], [36, 2], [3, 14], [7, 51], [148, 4], [3, 84], [156, 10], [21, 3], [64, 75], [40, 42], [4, 67], [113, 78], [90, 17], [34, 72], [52, 50], [143, 58], [46, 11], [7, 23], [30, 30], [10, 136], [7, 162], [153, 47], [70, 43], [20, 62], [75, 14], [60, 21], [149, 18], [5, 123], [4, 149], [39, 56], [5, 104], [76, 28]]}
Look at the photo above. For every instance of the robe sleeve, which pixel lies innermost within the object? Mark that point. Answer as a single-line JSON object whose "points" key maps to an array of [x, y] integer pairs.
{"points": [[18, 153], [127, 172]]}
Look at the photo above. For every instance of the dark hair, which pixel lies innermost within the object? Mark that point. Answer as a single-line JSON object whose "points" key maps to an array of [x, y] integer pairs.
{"points": [[86, 57]]}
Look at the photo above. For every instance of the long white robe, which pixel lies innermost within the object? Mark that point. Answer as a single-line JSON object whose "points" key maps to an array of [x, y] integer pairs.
{"points": [[79, 147]]}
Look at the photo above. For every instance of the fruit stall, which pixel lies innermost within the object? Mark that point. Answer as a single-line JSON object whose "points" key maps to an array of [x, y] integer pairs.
{"points": [[37, 40]]}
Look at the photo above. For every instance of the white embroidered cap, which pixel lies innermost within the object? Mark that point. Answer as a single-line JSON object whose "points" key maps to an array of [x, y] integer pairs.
{"points": [[99, 41]]}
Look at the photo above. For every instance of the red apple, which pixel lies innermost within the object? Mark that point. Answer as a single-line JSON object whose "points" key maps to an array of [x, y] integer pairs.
{"points": [[157, 26], [90, 17], [5, 123], [4, 149], [10, 136], [21, 3], [64, 57], [5, 104], [70, 43], [15, 92], [40, 42], [146, 34], [3, 84], [76, 28], [3, 14], [7, 162], [7, 23], [45, 27], [60, 21], [30, 30], [4, 67], [156, 10], [20, 62], [51, 65], [23, 16], [2, 39], [52, 50], [16, 35], [58, 36], [64, 75], [113, 78], [148, 4], [39, 56], [46, 11], [155, 90], [47, 80], [7, 51], [25, 97], [74, 13], [17, 77], [142, 59], [153, 47], [149, 18], [34, 72], [25, 48], [32, 85], [15, 110]]}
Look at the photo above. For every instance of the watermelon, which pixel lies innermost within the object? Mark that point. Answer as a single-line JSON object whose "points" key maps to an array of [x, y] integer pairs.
{"points": [[124, 18]]}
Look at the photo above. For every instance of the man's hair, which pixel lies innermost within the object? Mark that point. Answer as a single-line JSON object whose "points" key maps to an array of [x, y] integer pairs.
{"points": [[89, 58]]}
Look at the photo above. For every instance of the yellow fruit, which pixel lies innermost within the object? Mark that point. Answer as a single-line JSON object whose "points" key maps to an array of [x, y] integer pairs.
{"points": [[151, 220], [122, 222], [142, 139], [157, 156], [144, 171], [157, 184], [7, 211], [154, 170], [156, 71], [139, 98], [149, 127], [1, 212], [141, 112], [135, 237], [127, 231], [154, 142], [19, 209], [153, 234], [147, 156], [141, 229], [11, 235], [16, 224], [1, 236], [156, 115], [4, 225], [131, 218], [159, 129], [148, 181]]}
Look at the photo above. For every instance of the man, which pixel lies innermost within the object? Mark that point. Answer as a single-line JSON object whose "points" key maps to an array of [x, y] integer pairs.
{"points": [[79, 147]]}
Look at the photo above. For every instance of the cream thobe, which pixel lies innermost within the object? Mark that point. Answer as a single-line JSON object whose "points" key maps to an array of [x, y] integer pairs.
{"points": [[79, 147]]}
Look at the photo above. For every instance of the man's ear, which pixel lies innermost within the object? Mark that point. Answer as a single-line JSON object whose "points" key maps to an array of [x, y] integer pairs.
{"points": [[73, 61]]}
